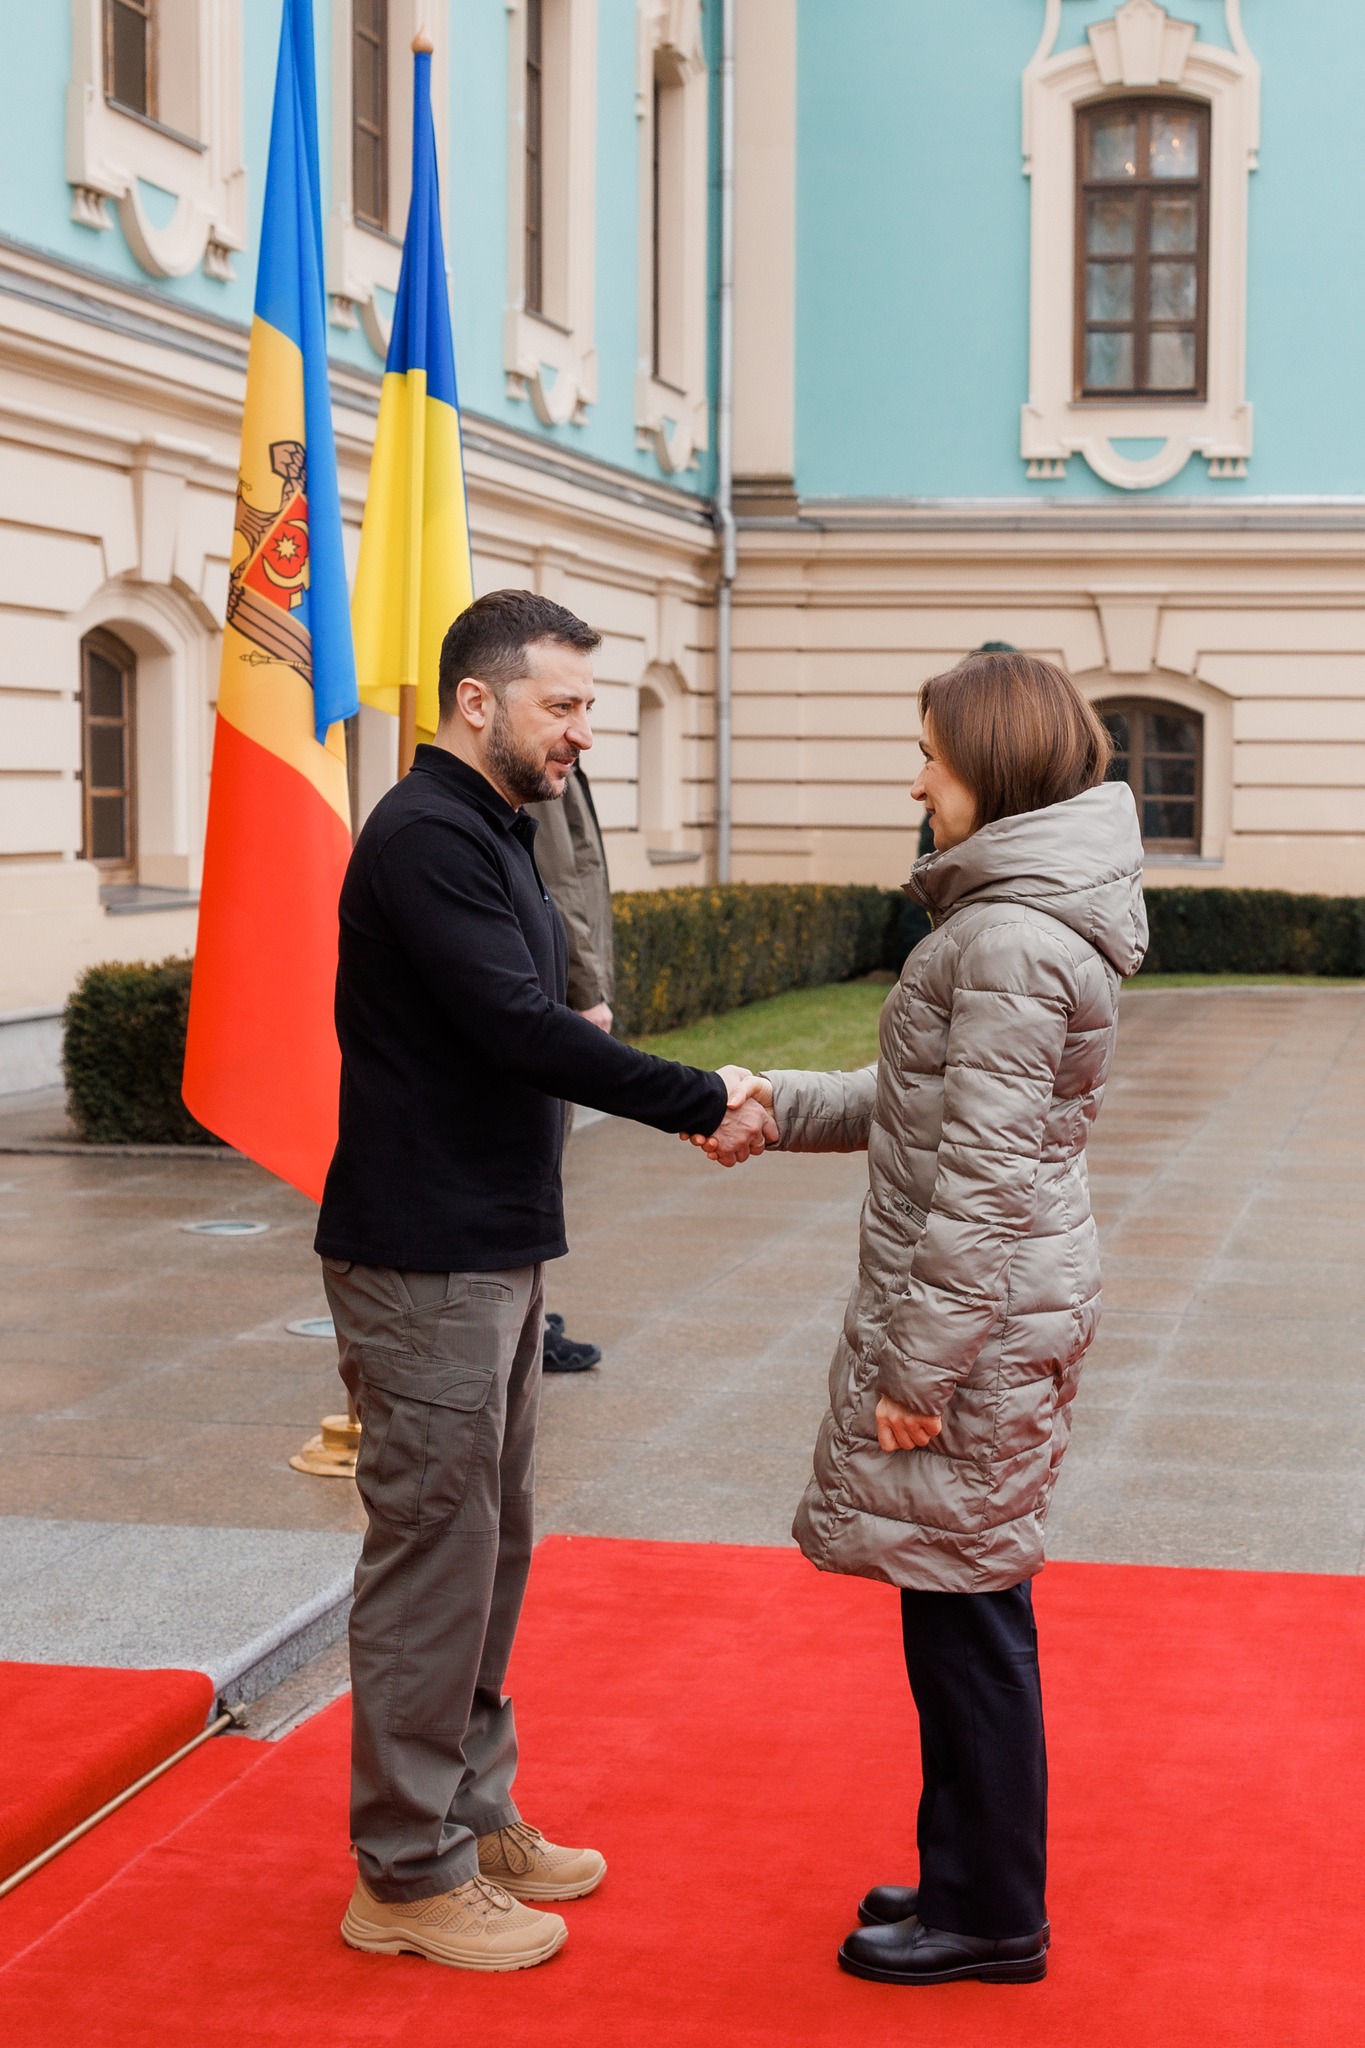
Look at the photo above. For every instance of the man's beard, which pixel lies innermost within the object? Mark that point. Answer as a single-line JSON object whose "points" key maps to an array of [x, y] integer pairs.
{"points": [[525, 780]]}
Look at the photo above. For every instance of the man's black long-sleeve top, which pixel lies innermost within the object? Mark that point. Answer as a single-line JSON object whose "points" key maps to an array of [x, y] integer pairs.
{"points": [[457, 1049]]}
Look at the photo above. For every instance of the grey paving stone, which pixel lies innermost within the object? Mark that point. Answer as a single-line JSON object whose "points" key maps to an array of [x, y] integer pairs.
{"points": [[146, 1595]]}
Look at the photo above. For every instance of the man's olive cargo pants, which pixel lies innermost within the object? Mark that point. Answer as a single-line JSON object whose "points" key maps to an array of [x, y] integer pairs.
{"points": [[444, 1370]]}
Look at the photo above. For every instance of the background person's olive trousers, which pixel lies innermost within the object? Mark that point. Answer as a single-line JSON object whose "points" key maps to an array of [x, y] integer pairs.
{"points": [[444, 1370]]}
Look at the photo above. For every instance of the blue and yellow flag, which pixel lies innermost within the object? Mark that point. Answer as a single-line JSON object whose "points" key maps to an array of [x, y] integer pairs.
{"points": [[262, 1067], [415, 573]]}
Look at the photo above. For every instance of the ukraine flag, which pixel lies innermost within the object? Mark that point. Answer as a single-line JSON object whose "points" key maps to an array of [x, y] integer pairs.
{"points": [[414, 574], [262, 1068]]}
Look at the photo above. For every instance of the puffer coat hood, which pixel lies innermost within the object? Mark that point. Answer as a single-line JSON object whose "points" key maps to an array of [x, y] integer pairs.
{"points": [[978, 1290], [1080, 861]]}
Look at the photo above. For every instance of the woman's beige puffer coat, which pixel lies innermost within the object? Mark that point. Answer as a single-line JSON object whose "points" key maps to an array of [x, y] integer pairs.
{"points": [[978, 1287]]}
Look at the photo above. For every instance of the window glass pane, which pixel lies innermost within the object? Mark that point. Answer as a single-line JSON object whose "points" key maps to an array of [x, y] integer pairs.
{"points": [[1113, 145], [1171, 818], [1175, 225], [369, 189], [1168, 775], [1109, 362], [106, 757], [1117, 724], [128, 28], [1109, 224], [365, 80], [1169, 733], [1171, 291], [108, 839], [1174, 144], [1170, 362], [1109, 291], [103, 688]]}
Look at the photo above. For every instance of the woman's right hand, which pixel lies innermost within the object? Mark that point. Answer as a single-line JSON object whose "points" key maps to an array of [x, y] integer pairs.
{"points": [[900, 1429]]}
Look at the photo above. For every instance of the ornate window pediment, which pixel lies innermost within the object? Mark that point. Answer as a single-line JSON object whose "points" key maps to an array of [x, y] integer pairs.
{"points": [[191, 153], [1142, 50]]}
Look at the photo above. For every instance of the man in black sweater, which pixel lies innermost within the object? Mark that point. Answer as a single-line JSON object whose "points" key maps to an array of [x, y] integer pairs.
{"points": [[442, 1203]]}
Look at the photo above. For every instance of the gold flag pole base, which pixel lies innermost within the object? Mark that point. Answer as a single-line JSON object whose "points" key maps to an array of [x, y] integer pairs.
{"points": [[331, 1454]]}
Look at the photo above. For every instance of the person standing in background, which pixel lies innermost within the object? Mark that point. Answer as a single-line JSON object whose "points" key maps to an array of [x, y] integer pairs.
{"points": [[573, 867]]}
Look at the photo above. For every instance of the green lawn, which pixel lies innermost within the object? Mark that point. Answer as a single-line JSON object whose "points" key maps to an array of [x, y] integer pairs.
{"points": [[823, 1028], [827, 1028], [1244, 981]]}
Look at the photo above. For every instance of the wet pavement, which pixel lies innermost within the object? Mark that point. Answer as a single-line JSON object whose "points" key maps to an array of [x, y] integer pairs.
{"points": [[147, 1375]]}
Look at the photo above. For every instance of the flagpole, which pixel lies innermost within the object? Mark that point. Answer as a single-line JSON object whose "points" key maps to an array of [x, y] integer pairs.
{"points": [[407, 726], [407, 692]]}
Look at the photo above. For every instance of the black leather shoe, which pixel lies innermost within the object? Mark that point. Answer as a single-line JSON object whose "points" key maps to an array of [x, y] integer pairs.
{"points": [[887, 1903], [907, 1953], [561, 1354]]}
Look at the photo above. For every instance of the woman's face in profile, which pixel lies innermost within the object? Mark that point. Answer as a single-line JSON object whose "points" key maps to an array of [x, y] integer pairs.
{"points": [[951, 806]]}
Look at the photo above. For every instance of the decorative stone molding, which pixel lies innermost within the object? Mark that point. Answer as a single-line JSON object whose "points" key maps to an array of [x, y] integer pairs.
{"points": [[361, 261], [671, 412], [195, 154], [550, 356], [1130, 621], [1140, 47]]}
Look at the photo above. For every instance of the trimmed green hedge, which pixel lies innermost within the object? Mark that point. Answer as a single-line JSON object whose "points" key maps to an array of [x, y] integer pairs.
{"points": [[688, 953], [682, 954], [124, 1053], [1254, 931]]}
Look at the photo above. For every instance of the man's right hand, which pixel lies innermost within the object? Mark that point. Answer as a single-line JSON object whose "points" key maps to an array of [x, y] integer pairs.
{"points": [[742, 1133]]}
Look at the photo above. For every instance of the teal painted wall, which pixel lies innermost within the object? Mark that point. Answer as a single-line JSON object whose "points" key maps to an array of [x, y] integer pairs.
{"points": [[35, 199], [912, 250]]}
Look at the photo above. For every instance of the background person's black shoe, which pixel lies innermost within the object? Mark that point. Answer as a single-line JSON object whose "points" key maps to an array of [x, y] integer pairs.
{"points": [[561, 1354], [885, 1904], [907, 1953]]}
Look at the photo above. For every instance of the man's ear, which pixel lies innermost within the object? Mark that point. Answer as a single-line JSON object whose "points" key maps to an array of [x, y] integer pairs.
{"points": [[474, 701]]}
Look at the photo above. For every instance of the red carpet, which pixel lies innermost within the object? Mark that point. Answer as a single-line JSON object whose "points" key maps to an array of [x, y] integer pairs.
{"points": [[733, 1731], [73, 1736]]}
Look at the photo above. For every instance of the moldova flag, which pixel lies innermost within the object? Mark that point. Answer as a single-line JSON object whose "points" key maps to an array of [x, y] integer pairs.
{"points": [[262, 1067], [415, 573]]}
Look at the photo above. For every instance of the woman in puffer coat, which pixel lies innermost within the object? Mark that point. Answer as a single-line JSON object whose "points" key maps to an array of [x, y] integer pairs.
{"points": [[978, 1289]]}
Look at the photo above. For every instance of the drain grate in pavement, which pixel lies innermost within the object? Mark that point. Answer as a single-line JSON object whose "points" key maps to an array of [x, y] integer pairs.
{"points": [[230, 1227]]}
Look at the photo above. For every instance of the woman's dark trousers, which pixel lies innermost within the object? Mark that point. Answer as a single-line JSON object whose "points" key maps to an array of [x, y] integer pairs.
{"points": [[973, 1665]]}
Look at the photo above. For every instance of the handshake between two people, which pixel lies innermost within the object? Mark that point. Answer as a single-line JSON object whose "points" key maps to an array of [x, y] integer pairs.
{"points": [[747, 1128]]}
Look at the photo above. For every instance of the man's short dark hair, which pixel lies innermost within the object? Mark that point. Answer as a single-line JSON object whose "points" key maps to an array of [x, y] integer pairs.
{"points": [[489, 640]]}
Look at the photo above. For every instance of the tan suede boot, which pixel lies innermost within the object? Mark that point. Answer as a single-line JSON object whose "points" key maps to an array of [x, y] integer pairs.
{"points": [[478, 1926], [521, 1860]]}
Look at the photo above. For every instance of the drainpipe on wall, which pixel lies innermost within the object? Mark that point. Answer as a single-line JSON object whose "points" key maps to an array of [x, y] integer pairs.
{"points": [[725, 444]]}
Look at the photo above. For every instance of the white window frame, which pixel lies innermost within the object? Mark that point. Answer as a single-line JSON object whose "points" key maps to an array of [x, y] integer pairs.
{"points": [[552, 359], [363, 261], [108, 150], [672, 418], [1140, 48]]}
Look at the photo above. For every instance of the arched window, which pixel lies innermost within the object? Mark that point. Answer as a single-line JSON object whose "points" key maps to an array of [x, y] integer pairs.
{"points": [[1142, 212], [108, 753], [1159, 753]]}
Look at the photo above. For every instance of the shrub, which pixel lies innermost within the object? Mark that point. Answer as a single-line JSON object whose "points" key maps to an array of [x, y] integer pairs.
{"points": [[688, 953], [124, 1053], [1254, 931]]}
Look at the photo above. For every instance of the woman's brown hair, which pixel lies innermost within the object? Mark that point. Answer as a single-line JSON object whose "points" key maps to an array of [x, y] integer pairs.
{"points": [[1017, 731]]}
